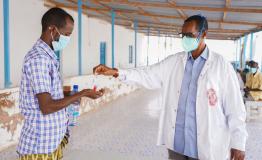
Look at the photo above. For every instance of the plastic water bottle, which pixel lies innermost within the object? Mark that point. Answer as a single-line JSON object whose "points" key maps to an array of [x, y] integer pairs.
{"points": [[73, 109], [71, 117]]}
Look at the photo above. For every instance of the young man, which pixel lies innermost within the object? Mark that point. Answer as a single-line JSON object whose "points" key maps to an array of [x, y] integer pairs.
{"points": [[254, 82], [42, 102], [203, 115]]}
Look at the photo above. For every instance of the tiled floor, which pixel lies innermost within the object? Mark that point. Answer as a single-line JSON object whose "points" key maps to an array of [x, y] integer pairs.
{"points": [[126, 130], [127, 127]]}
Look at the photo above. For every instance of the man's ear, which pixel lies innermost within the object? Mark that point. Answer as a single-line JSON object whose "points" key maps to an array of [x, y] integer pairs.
{"points": [[51, 28], [204, 34]]}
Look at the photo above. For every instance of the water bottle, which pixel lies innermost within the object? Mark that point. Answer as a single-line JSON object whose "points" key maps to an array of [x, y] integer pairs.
{"points": [[75, 89], [77, 103], [73, 109], [72, 119]]}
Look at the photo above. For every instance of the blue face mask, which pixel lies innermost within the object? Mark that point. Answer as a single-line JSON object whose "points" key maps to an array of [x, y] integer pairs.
{"points": [[190, 44], [253, 70], [61, 43]]}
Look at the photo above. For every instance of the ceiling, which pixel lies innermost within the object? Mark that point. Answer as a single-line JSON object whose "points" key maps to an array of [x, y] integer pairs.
{"points": [[227, 19]]}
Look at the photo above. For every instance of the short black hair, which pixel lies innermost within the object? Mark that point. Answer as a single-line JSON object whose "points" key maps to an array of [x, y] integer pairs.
{"points": [[252, 63], [55, 16], [201, 21]]}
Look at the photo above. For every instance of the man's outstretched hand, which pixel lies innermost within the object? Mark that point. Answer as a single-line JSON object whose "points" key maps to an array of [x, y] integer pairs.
{"points": [[237, 154], [104, 70], [92, 94]]}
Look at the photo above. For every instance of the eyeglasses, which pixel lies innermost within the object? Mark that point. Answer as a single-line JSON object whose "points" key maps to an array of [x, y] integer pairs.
{"points": [[189, 34]]}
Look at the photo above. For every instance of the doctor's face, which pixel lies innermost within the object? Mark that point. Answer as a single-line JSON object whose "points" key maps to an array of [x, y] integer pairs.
{"points": [[191, 29]]}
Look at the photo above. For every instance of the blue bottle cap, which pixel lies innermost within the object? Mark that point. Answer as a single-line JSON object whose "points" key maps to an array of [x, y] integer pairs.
{"points": [[75, 88]]}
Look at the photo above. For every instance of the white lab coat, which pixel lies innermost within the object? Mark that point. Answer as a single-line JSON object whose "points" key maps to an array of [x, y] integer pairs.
{"points": [[220, 126], [241, 83]]}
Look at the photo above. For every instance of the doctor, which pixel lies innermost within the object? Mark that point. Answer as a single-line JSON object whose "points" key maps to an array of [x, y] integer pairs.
{"points": [[203, 114]]}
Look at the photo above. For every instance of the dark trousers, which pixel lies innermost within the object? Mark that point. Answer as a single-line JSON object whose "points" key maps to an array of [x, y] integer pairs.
{"points": [[175, 156]]}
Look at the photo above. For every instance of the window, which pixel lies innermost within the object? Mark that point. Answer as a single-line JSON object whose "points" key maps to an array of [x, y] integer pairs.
{"points": [[103, 53], [130, 54]]}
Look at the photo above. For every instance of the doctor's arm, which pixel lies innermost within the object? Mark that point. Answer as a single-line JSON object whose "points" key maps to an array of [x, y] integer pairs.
{"points": [[150, 77], [235, 113]]}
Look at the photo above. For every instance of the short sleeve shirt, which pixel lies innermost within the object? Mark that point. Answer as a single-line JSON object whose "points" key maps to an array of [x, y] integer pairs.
{"points": [[41, 134]]}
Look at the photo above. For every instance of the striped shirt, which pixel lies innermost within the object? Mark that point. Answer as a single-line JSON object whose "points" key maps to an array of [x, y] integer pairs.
{"points": [[41, 134]]}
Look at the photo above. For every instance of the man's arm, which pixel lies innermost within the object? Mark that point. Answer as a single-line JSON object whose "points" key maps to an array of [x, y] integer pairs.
{"points": [[235, 113], [48, 105], [150, 77], [38, 71]]}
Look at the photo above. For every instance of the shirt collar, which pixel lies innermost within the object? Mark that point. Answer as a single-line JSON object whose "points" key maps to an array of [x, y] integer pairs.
{"points": [[46, 48], [257, 73], [203, 55]]}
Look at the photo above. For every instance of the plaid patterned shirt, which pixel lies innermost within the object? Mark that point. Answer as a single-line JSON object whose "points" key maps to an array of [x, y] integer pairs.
{"points": [[41, 134]]}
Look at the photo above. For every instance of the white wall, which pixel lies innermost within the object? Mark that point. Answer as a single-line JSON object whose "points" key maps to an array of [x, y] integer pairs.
{"points": [[95, 31], [98, 31], [140, 47], [157, 49], [70, 53], [25, 29], [227, 48], [124, 39], [257, 48], [1, 47]]}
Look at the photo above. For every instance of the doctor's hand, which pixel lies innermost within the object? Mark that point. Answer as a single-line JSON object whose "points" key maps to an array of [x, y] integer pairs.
{"points": [[237, 154], [104, 70], [91, 93]]}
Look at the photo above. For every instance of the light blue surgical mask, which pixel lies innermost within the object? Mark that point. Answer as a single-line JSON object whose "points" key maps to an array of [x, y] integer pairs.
{"points": [[61, 43], [190, 44], [253, 70]]}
